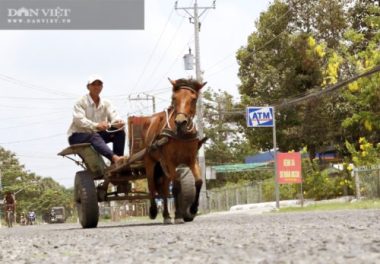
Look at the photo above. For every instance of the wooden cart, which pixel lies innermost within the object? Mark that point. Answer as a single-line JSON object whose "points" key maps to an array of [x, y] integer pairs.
{"points": [[92, 184]]}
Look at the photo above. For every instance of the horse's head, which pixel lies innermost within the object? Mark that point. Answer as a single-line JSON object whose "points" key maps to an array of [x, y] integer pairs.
{"points": [[184, 102]]}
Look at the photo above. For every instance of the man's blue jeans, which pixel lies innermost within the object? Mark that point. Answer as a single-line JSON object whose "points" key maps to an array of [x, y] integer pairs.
{"points": [[99, 142]]}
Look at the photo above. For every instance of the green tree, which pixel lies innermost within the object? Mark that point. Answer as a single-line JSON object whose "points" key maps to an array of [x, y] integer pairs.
{"points": [[287, 63], [291, 54], [364, 94], [32, 191], [227, 143]]}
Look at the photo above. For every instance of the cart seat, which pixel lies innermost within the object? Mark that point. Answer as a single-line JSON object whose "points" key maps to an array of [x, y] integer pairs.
{"points": [[91, 158]]}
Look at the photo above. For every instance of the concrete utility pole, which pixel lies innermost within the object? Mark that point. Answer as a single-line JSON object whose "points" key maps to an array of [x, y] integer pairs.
{"points": [[1, 187], [194, 19], [146, 97]]}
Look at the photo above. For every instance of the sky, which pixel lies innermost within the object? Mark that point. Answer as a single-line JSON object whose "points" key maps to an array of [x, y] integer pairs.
{"points": [[43, 73]]}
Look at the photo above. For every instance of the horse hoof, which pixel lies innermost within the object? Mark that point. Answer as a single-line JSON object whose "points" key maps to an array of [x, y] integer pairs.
{"points": [[178, 221], [167, 221], [153, 212], [194, 209]]}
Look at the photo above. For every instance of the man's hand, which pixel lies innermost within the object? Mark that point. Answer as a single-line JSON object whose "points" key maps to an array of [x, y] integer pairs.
{"points": [[118, 123], [102, 126]]}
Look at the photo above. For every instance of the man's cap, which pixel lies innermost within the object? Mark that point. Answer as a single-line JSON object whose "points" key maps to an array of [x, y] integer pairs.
{"points": [[94, 77]]}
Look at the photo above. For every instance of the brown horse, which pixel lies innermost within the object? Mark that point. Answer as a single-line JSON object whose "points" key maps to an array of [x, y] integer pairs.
{"points": [[181, 147]]}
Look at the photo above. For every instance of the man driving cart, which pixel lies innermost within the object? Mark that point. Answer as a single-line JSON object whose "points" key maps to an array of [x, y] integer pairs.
{"points": [[92, 118]]}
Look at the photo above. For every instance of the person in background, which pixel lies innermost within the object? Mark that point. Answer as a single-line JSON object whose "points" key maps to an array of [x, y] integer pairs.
{"points": [[9, 202]]}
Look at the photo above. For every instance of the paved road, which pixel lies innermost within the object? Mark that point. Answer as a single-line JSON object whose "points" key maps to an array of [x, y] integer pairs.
{"points": [[241, 237]]}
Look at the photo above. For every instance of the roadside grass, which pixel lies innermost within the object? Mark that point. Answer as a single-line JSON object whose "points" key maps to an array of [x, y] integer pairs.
{"points": [[330, 206]]}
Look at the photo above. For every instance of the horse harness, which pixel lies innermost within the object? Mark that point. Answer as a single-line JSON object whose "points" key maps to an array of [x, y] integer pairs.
{"points": [[167, 130]]}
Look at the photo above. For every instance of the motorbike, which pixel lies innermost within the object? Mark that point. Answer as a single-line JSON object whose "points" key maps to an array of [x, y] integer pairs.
{"points": [[31, 218]]}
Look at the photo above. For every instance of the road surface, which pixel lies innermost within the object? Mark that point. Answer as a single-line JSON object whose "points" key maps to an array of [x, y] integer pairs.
{"points": [[349, 236]]}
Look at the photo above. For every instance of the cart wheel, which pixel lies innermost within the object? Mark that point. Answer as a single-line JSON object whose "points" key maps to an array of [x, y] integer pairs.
{"points": [[86, 200], [186, 195]]}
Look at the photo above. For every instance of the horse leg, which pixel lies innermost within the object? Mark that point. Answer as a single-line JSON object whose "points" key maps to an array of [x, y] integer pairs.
{"points": [[165, 194], [149, 167], [198, 185], [178, 218]]}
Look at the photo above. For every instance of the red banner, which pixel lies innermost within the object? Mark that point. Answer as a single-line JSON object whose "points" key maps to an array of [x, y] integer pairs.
{"points": [[289, 168]]}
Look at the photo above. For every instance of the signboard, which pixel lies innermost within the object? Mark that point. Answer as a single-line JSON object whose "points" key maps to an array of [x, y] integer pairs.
{"points": [[260, 116], [289, 168]]}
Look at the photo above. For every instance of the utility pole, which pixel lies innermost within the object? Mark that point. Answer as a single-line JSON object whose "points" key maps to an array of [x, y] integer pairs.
{"points": [[147, 97], [194, 19], [1, 187]]}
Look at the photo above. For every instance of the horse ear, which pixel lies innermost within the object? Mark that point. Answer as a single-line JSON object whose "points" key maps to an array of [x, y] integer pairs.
{"points": [[171, 81], [202, 85]]}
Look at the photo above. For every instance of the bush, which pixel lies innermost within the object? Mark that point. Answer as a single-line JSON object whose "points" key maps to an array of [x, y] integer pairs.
{"points": [[287, 191], [319, 184]]}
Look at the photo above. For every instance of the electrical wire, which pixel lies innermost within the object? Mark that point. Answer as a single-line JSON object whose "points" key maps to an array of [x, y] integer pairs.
{"points": [[233, 53], [256, 50], [31, 139], [164, 53], [29, 116], [154, 50], [34, 98], [17, 82]]}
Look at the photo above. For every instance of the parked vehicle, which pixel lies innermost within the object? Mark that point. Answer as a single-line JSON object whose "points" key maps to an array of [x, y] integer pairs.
{"points": [[57, 215]]}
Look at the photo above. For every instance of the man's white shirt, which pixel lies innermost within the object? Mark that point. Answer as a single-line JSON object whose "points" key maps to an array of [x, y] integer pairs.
{"points": [[86, 115]]}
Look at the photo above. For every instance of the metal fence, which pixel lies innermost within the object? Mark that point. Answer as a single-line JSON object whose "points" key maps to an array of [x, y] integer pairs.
{"points": [[222, 200], [121, 210], [367, 181], [218, 200]]}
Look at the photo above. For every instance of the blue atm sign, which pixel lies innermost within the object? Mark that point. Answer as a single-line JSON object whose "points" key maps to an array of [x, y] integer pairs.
{"points": [[259, 116]]}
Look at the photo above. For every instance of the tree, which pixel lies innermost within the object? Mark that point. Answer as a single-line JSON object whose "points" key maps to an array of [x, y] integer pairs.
{"points": [[289, 63], [291, 54], [226, 142], [32, 191], [364, 94]]}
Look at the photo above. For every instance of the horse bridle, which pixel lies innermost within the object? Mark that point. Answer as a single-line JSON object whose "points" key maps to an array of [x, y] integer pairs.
{"points": [[190, 124]]}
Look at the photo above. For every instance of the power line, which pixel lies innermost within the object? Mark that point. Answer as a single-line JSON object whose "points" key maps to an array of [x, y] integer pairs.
{"points": [[154, 50], [31, 139], [232, 53], [179, 56], [29, 116], [145, 97], [255, 51], [32, 123], [34, 98], [30, 107], [318, 92], [165, 51], [32, 86], [329, 89]]}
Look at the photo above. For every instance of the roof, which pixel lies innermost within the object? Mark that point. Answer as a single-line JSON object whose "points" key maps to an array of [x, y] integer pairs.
{"points": [[261, 157], [240, 167]]}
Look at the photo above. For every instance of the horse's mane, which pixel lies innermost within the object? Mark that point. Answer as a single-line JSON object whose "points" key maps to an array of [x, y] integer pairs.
{"points": [[187, 82]]}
